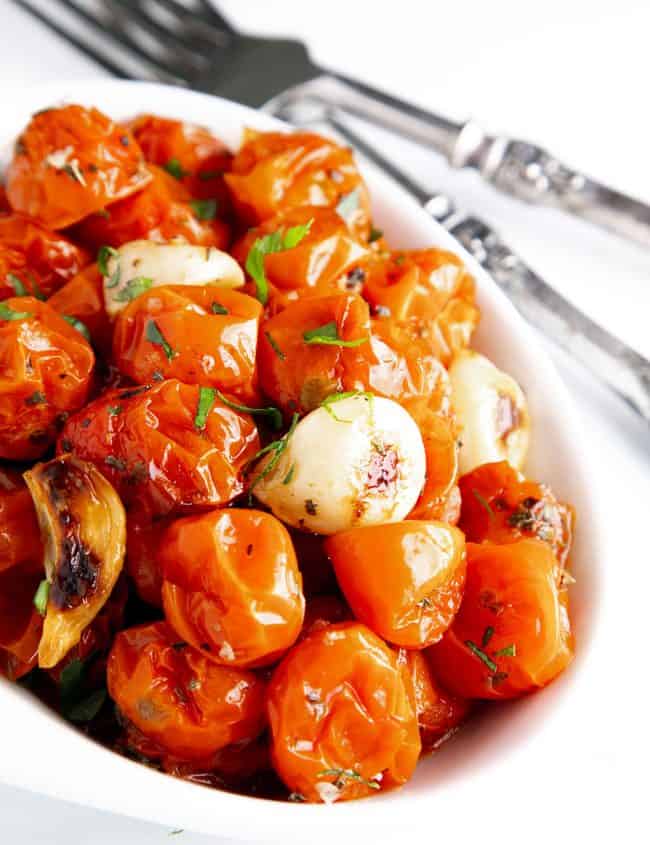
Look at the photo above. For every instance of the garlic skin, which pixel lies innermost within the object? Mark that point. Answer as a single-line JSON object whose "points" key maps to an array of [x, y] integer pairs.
{"points": [[359, 460], [167, 264], [492, 411]]}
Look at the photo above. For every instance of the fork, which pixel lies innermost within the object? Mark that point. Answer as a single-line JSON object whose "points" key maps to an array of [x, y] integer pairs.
{"points": [[191, 43], [621, 368]]}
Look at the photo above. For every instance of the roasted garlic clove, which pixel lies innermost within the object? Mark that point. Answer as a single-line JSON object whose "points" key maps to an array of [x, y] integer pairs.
{"points": [[140, 265], [83, 528]]}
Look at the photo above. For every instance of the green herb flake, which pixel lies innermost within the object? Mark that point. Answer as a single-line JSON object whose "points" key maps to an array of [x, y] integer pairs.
{"points": [[274, 346], [327, 335], [276, 450], [487, 635], [267, 245], [207, 395], [86, 709], [218, 308], [82, 328], [484, 504], [507, 651], [399, 260], [7, 313], [205, 209], [114, 410], [348, 204], [287, 478], [341, 775], [41, 596], [157, 375], [17, 284], [155, 336], [133, 288], [274, 414], [103, 256], [36, 398], [115, 463], [375, 234], [174, 168], [338, 397], [492, 666]]}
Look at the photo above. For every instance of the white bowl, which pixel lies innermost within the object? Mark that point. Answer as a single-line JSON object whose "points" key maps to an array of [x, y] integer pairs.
{"points": [[490, 769]]}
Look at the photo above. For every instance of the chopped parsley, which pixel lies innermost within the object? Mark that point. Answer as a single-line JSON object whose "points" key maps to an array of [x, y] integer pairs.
{"points": [[348, 204], [133, 288], [7, 313], [174, 168], [341, 775], [484, 504], [41, 596], [338, 397], [103, 256], [36, 398], [508, 651], [207, 395], [274, 414], [155, 336], [17, 284], [492, 666], [273, 242], [375, 234], [82, 328], [114, 410], [327, 335], [274, 346], [76, 705], [115, 463], [287, 478], [204, 209], [275, 450], [487, 635], [218, 308]]}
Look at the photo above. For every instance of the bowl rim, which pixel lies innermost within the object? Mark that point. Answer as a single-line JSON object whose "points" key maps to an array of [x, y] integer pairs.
{"points": [[132, 789]]}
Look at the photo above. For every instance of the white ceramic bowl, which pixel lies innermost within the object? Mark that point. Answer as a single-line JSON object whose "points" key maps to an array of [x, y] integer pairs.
{"points": [[493, 768]]}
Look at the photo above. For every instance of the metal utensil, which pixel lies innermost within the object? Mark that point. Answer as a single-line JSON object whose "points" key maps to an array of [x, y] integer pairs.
{"points": [[191, 43], [620, 367]]}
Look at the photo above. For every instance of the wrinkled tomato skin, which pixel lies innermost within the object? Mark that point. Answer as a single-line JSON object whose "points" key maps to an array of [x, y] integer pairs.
{"points": [[71, 162], [160, 212], [501, 506], [511, 602], [438, 712], [20, 623], [404, 580], [175, 697], [226, 573], [202, 157], [276, 171], [324, 261], [46, 368], [440, 498], [152, 452], [143, 537], [83, 298], [338, 701], [20, 539], [32, 253], [213, 350]]}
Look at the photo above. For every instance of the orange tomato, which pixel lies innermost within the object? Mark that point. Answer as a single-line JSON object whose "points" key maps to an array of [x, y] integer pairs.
{"points": [[20, 539], [404, 580], [231, 586], [83, 298], [178, 699], [277, 171], [70, 162], [150, 444], [33, 259], [342, 721], [440, 498], [162, 211], [439, 713], [512, 632], [143, 536], [501, 506], [210, 347], [45, 373]]}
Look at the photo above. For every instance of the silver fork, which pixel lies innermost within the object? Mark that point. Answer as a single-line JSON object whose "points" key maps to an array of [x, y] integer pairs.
{"points": [[620, 367], [191, 43]]}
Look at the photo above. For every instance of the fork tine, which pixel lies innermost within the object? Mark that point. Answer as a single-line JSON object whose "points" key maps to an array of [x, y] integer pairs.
{"points": [[212, 14]]}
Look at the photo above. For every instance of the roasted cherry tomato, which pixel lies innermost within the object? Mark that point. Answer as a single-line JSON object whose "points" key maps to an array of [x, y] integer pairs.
{"points": [[211, 332], [45, 372], [70, 162], [439, 713], [501, 506], [20, 623], [191, 153], [440, 498], [342, 720], [276, 171], [328, 258], [83, 299], [20, 539], [163, 211], [231, 586], [34, 260], [512, 632], [183, 702], [404, 580], [160, 449], [143, 536]]}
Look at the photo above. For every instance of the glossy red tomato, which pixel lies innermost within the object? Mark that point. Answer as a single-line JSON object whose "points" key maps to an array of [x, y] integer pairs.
{"points": [[501, 506], [175, 697], [231, 586], [404, 580], [212, 334], [143, 536], [162, 211], [83, 298], [277, 171], [33, 259], [45, 371], [159, 451], [342, 721], [20, 539], [70, 162], [512, 632]]}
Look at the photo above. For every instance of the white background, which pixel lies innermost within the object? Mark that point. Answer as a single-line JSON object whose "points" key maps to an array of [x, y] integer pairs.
{"points": [[574, 76]]}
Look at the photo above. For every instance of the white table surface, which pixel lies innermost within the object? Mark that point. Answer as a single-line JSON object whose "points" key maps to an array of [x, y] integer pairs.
{"points": [[572, 75]]}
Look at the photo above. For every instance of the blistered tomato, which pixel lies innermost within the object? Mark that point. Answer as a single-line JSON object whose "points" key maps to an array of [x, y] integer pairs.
{"points": [[276, 171], [210, 337], [342, 720], [512, 632], [83, 299], [163, 211], [20, 539], [404, 580], [231, 586], [34, 260], [175, 697], [45, 372], [158, 448], [70, 162], [501, 506]]}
